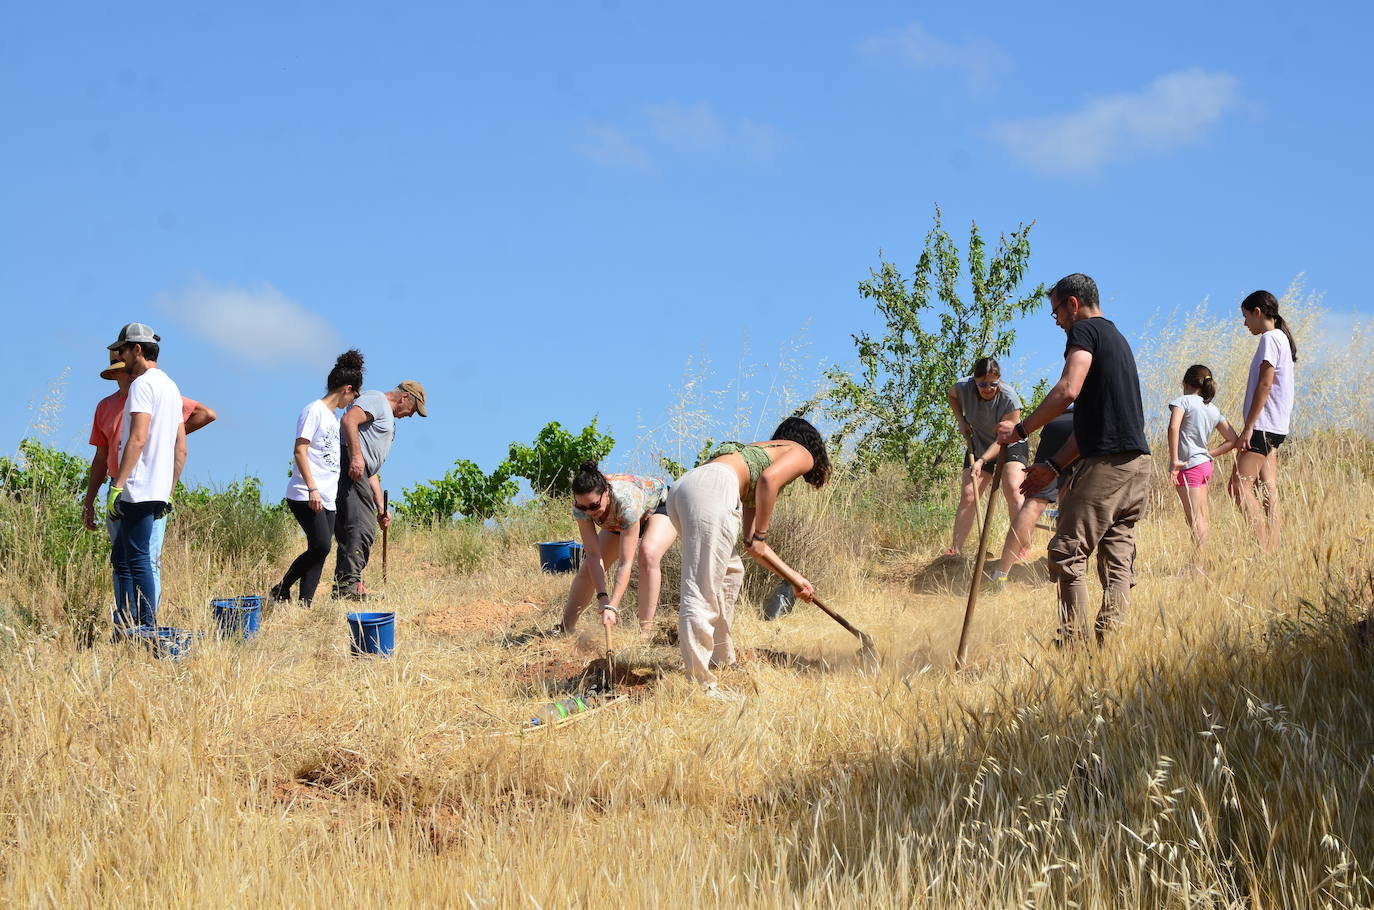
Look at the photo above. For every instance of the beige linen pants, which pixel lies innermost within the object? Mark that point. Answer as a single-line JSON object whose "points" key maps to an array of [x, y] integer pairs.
{"points": [[1099, 513], [704, 506]]}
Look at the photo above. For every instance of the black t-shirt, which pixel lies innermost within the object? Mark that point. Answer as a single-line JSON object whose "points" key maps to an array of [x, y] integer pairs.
{"points": [[1053, 435], [1108, 418]]}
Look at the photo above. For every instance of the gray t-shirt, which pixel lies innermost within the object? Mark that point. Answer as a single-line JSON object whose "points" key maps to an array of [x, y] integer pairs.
{"points": [[375, 434], [982, 415], [1200, 418]]}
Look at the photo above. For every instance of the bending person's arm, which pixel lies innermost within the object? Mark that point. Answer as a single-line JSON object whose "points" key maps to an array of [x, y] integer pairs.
{"points": [[629, 543], [787, 467]]}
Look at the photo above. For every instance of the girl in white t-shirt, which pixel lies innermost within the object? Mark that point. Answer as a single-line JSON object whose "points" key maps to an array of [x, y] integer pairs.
{"points": [[1192, 418], [315, 476], [1269, 394]]}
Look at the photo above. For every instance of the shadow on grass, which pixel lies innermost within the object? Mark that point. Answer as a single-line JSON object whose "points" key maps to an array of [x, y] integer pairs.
{"points": [[1223, 771]]}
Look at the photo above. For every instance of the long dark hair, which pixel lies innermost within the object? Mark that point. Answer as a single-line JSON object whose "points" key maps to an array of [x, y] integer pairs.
{"points": [[348, 370], [800, 431], [588, 479], [1199, 377], [1268, 305]]}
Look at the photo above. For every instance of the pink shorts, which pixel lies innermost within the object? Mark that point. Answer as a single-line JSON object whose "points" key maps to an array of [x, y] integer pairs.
{"points": [[1196, 476]]}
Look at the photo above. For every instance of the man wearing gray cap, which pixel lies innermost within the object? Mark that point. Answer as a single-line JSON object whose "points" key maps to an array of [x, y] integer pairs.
{"points": [[365, 435], [152, 452]]}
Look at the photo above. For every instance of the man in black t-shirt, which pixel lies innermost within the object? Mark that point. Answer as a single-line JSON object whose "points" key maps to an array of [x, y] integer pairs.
{"points": [[1112, 477]]}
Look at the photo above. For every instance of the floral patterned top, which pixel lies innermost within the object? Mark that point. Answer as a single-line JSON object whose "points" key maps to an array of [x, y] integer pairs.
{"points": [[632, 498]]}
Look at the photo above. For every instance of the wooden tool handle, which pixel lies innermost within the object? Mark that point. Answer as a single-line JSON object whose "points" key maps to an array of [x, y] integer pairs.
{"points": [[794, 578]]}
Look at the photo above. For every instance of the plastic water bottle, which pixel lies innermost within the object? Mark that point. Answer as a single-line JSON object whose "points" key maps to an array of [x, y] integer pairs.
{"points": [[561, 710]]}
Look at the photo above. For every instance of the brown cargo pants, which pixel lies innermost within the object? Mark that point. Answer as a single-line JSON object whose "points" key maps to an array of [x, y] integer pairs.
{"points": [[1107, 499]]}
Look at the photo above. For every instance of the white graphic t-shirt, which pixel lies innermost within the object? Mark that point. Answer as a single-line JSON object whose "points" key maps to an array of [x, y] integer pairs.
{"points": [[319, 425]]}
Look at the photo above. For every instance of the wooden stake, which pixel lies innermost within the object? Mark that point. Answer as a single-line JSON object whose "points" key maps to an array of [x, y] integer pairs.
{"points": [[978, 563]]}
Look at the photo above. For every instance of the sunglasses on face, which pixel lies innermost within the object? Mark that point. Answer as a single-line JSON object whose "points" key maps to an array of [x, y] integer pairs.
{"points": [[590, 507], [988, 385]]}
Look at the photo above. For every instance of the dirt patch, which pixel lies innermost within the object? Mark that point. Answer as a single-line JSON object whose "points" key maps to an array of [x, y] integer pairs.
{"points": [[951, 574], [560, 676], [1031, 573], [477, 616]]}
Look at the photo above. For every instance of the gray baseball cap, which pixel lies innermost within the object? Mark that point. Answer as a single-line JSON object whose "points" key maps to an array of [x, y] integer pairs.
{"points": [[135, 332]]}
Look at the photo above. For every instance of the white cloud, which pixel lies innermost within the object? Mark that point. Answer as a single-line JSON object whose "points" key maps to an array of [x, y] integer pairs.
{"points": [[683, 129], [610, 146], [1172, 111], [981, 61], [261, 324]]}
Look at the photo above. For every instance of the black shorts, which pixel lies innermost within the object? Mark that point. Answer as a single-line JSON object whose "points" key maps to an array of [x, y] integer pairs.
{"points": [[1262, 442], [644, 522], [1017, 451]]}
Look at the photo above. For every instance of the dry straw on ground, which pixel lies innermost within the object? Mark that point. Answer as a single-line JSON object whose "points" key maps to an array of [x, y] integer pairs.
{"points": [[1216, 754]]}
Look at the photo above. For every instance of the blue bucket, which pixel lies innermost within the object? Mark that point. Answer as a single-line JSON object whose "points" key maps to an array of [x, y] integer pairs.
{"points": [[237, 617], [164, 641], [373, 633], [560, 556]]}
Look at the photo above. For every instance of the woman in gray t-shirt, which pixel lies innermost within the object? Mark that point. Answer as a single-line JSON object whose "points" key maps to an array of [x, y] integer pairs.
{"points": [[979, 404]]}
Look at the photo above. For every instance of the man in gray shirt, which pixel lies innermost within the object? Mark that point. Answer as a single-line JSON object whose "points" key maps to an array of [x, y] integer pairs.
{"points": [[365, 435]]}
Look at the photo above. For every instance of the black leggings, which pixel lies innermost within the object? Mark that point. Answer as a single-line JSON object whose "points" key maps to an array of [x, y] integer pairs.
{"points": [[319, 535]]}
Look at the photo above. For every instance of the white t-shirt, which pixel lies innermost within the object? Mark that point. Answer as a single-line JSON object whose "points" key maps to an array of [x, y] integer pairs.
{"points": [[1278, 408], [153, 393], [1200, 418], [318, 424]]}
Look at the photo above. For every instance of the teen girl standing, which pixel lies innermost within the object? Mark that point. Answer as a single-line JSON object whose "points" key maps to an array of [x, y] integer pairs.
{"points": [[1192, 418], [1269, 394], [310, 493]]}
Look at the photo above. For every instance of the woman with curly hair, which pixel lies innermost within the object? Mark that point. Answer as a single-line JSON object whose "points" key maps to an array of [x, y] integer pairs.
{"points": [[736, 488]]}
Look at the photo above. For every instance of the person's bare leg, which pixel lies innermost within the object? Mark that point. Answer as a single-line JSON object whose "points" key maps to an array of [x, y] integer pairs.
{"points": [[1013, 472], [1269, 485], [1020, 534], [969, 492], [583, 589], [1201, 520], [1248, 467], [658, 537]]}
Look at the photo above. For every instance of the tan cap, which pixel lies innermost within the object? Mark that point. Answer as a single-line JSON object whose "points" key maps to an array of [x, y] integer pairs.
{"points": [[114, 369], [416, 391]]}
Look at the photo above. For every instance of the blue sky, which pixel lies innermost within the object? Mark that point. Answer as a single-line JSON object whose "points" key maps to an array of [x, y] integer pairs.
{"points": [[542, 212]]}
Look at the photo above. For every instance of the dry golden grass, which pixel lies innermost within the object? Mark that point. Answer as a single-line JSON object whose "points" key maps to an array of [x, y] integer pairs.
{"points": [[1217, 753]]}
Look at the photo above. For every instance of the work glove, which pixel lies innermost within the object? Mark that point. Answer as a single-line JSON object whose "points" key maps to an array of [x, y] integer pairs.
{"points": [[112, 504]]}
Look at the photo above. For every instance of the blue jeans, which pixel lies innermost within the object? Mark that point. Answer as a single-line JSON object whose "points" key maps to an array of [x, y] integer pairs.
{"points": [[154, 551], [131, 555]]}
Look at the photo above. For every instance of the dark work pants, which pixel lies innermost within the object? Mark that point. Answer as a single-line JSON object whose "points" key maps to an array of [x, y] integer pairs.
{"points": [[319, 535], [131, 556], [355, 528]]}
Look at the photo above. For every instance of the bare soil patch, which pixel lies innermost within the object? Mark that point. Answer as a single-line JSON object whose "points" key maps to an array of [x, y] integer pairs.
{"points": [[477, 616], [557, 676]]}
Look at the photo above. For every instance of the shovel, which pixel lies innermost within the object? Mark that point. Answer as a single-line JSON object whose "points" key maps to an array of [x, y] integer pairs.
{"points": [[976, 582], [386, 507], [866, 652]]}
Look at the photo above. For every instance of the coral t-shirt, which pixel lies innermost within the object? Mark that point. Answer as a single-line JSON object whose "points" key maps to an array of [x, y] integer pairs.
{"points": [[109, 420]]}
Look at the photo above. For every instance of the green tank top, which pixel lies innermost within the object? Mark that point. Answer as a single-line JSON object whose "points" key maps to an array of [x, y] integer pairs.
{"points": [[755, 458]]}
